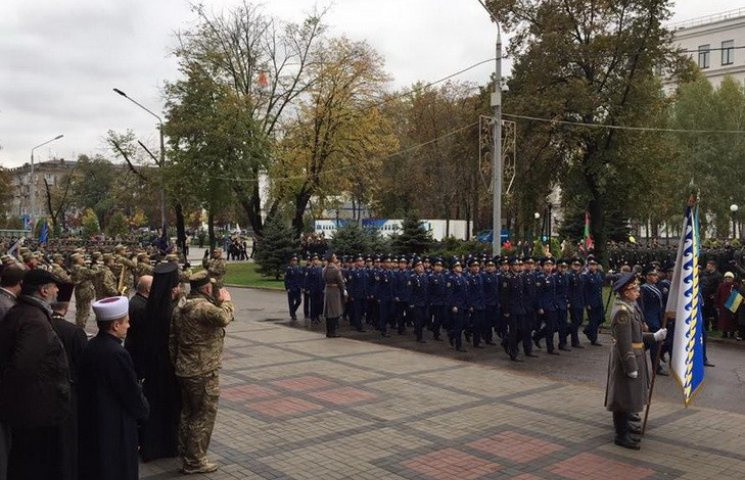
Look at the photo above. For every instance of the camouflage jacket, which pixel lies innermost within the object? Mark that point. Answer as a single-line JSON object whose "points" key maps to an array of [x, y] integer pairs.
{"points": [[143, 269], [82, 277], [197, 335], [216, 268], [61, 273], [109, 283]]}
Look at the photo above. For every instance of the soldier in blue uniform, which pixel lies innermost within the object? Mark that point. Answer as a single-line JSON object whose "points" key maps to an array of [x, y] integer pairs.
{"points": [[547, 305], [306, 296], [531, 296], [437, 297], [418, 298], [562, 304], [652, 307], [593, 298], [457, 303], [512, 302], [666, 275], [384, 295], [476, 302], [357, 290], [371, 312], [314, 286], [401, 294], [294, 280], [491, 299], [576, 300]]}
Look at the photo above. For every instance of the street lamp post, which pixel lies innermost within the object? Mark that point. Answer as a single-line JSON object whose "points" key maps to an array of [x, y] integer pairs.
{"points": [[162, 157], [733, 209], [32, 186], [537, 217]]}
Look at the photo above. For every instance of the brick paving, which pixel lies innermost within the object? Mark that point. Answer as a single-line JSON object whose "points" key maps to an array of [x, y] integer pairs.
{"points": [[296, 405]]}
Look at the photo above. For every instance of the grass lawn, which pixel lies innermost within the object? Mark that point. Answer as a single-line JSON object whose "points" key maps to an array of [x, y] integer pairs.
{"points": [[245, 275]]}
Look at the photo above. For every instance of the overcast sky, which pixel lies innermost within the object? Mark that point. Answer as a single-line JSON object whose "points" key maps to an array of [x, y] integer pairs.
{"points": [[61, 58]]}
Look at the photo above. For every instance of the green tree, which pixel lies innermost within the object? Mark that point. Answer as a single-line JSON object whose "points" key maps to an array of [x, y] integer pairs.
{"points": [[414, 238], [90, 223], [274, 248], [590, 62], [352, 239], [117, 225]]}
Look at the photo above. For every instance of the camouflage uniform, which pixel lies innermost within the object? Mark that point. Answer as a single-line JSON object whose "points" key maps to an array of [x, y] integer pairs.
{"points": [[82, 277], [143, 267], [120, 261], [195, 345], [216, 268], [59, 272], [109, 283]]}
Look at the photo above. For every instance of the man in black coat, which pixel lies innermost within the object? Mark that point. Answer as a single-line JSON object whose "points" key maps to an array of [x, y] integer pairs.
{"points": [[74, 340], [135, 341], [35, 393], [10, 288], [110, 397]]}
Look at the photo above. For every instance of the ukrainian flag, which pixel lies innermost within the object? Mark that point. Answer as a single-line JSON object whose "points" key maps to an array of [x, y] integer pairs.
{"points": [[733, 302], [684, 304]]}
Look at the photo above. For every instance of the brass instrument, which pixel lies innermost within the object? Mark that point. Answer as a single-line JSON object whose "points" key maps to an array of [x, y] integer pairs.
{"points": [[122, 288]]}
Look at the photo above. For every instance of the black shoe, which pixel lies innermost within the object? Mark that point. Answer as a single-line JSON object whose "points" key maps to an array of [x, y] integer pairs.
{"points": [[421, 340], [565, 349], [661, 372], [634, 428], [461, 349], [385, 334], [596, 344], [361, 330], [490, 343], [478, 346], [577, 346], [515, 359], [626, 442], [634, 417], [537, 342], [531, 355], [552, 352], [332, 335], [709, 364], [438, 339]]}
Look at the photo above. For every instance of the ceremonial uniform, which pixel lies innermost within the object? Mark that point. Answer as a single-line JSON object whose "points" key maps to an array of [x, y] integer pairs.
{"points": [[437, 297], [401, 294], [294, 285], [476, 308], [82, 277], [384, 294], [593, 300], [418, 302], [357, 290], [547, 308], [491, 299], [458, 304], [576, 304]]}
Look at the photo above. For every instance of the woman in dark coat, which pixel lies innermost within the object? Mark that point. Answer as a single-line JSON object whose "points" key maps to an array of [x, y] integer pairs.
{"points": [[335, 294], [726, 320], [628, 376], [159, 434]]}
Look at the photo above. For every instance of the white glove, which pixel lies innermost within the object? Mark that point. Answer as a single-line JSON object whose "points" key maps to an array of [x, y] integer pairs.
{"points": [[633, 374], [660, 334]]}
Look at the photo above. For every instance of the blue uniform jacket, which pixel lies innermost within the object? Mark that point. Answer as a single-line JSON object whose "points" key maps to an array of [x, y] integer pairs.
{"points": [[562, 290], [651, 304], [513, 294], [384, 285], [475, 291], [357, 284], [457, 292], [546, 292], [419, 284], [491, 289], [593, 288], [530, 301], [294, 278], [402, 285], [437, 292], [576, 290], [370, 282]]}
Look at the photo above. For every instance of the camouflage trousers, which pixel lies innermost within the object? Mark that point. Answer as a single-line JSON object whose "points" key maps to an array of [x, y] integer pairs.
{"points": [[82, 307], [199, 397]]}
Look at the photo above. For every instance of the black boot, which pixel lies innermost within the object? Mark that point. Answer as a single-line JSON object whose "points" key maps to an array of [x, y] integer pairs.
{"points": [[623, 439]]}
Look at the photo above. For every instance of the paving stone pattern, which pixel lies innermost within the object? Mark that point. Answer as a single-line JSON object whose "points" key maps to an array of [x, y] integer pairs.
{"points": [[295, 405]]}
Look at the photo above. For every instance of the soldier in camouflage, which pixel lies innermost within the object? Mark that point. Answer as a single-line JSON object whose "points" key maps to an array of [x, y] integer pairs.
{"points": [[143, 266], [215, 266], [109, 282], [195, 345], [82, 277], [58, 268]]}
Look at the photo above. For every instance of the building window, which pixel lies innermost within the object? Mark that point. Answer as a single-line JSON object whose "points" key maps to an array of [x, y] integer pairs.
{"points": [[703, 56], [728, 52]]}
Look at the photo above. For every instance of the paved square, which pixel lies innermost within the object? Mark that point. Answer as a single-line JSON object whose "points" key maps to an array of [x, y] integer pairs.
{"points": [[297, 406], [515, 446], [451, 464], [587, 466]]}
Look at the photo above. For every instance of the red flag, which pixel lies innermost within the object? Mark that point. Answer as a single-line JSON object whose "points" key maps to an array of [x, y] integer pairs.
{"points": [[263, 79], [589, 243]]}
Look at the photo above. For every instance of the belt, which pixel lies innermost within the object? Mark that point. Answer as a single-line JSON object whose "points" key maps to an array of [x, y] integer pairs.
{"points": [[332, 284], [637, 345]]}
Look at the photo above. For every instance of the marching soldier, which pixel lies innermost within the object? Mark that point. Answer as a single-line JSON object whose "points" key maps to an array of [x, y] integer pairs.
{"points": [[547, 305], [457, 303], [477, 304], [418, 298], [437, 297], [357, 290], [562, 303], [82, 277], [593, 300], [293, 286], [576, 301]]}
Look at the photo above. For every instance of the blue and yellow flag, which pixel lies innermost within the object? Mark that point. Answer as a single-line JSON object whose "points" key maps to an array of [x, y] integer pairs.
{"points": [[684, 303]]}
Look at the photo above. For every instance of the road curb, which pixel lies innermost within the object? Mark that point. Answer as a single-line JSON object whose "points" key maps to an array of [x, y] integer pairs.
{"points": [[265, 289]]}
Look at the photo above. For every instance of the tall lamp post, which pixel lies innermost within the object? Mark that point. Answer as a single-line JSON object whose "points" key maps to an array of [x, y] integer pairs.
{"points": [[32, 188], [733, 209], [537, 217], [162, 157]]}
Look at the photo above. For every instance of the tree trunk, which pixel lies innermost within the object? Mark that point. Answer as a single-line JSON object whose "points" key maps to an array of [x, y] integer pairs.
{"points": [[211, 227], [180, 229], [301, 202]]}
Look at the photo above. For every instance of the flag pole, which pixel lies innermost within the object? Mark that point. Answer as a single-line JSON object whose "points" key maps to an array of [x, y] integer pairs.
{"points": [[656, 363]]}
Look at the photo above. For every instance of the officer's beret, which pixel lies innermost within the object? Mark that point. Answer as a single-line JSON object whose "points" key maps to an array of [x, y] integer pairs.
{"points": [[622, 281]]}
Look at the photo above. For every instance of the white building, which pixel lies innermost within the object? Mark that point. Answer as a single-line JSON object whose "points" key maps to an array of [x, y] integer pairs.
{"points": [[716, 43]]}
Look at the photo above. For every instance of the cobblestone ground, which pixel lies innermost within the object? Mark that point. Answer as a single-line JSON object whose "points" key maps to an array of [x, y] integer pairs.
{"points": [[296, 405]]}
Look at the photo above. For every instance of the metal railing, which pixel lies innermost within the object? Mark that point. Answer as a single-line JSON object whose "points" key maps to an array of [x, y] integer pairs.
{"points": [[717, 17]]}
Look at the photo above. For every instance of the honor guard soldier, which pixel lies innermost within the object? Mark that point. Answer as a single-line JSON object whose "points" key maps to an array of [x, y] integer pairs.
{"points": [[576, 300], [458, 304], [357, 291], [547, 305], [491, 299], [401, 294], [384, 295], [628, 377], [477, 304], [562, 304], [418, 280]]}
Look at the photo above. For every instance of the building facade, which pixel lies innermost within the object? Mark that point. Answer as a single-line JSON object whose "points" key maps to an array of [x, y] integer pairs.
{"points": [[53, 171], [716, 43]]}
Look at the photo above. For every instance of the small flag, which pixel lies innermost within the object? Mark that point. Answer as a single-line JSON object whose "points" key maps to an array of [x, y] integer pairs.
{"points": [[684, 303], [734, 301], [44, 234], [589, 243]]}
